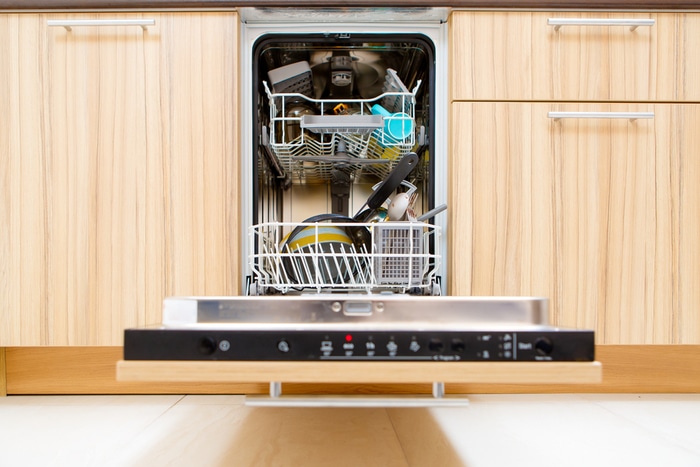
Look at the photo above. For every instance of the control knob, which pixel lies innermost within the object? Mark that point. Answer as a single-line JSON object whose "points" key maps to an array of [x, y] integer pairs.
{"points": [[207, 346], [283, 346], [544, 346]]}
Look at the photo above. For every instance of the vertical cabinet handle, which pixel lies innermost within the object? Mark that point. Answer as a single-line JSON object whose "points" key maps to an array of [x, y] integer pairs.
{"points": [[69, 24], [631, 23], [608, 115]]}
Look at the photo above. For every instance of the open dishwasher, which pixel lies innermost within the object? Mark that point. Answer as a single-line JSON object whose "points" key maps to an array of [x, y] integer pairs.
{"points": [[344, 169], [344, 161]]}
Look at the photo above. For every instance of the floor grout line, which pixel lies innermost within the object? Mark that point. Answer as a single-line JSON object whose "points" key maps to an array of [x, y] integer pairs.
{"points": [[142, 430], [398, 438]]}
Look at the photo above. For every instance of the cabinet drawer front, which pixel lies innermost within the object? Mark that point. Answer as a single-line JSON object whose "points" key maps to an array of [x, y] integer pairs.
{"points": [[598, 214], [590, 57]]}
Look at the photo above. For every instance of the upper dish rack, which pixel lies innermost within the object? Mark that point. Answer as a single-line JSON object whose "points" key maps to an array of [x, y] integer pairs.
{"points": [[304, 142]]}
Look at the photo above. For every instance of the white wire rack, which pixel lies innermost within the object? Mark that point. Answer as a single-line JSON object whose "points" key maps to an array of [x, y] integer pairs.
{"points": [[392, 256], [289, 137]]}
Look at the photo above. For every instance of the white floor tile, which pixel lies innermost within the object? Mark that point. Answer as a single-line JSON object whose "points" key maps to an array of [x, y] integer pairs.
{"points": [[495, 430], [38, 401], [547, 430], [73, 430], [674, 418], [221, 399]]}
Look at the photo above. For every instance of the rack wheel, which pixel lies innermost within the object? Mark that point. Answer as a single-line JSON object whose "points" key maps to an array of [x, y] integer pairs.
{"points": [[254, 289]]}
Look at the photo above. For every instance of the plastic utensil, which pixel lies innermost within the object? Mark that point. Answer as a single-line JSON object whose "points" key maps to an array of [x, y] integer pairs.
{"points": [[398, 206], [399, 125]]}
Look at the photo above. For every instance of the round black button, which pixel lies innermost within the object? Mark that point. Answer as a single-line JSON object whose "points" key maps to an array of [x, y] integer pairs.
{"points": [[457, 345], [435, 344], [207, 346], [544, 346]]}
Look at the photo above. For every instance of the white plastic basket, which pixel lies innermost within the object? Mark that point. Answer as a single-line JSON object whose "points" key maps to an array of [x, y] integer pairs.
{"points": [[401, 259], [396, 257]]}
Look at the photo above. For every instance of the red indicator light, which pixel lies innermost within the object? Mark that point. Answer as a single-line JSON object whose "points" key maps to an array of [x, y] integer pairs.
{"points": [[348, 337]]}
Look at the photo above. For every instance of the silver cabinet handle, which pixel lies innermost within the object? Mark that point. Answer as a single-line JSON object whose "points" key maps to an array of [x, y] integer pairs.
{"points": [[609, 115], [70, 23], [632, 23]]}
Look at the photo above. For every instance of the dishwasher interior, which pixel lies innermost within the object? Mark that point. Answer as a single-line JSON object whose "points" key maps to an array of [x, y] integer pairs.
{"points": [[343, 193]]}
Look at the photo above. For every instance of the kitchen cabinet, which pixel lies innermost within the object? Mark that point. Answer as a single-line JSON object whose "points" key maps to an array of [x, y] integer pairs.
{"points": [[510, 55], [120, 171], [120, 183], [599, 214]]}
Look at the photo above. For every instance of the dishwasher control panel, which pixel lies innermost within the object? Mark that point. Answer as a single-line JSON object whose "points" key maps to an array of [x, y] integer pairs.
{"points": [[550, 344]]}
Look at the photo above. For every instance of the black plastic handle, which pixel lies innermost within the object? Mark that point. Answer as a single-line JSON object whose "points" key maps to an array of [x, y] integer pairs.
{"points": [[392, 182]]}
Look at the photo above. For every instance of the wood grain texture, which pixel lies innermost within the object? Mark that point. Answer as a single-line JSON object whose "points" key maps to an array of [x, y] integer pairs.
{"points": [[92, 370], [506, 55], [225, 4], [121, 173], [598, 215], [361, 372], [3, 373], [21, 239]]}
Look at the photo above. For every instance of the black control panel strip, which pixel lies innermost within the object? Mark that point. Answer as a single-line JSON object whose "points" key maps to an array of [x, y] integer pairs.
{"points": [[299, 345]]}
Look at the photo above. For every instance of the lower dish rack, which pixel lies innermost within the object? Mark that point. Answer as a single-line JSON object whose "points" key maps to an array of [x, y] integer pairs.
{"points": [[344, 257]]}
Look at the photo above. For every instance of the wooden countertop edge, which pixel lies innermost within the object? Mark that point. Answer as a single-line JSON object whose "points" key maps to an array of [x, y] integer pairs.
{"points": [[361, 372], [93, 370], [3, 373], [221, 4]]}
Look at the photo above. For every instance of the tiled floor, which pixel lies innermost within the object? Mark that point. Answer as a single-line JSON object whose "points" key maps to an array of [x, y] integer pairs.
{"points": [[494, 430]]}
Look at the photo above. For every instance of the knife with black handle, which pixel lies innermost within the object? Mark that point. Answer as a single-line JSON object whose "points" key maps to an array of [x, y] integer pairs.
{"points": [[397, 175]]}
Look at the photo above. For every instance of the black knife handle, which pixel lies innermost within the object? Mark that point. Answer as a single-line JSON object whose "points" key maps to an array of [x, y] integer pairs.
{"points": [[392, 182]]}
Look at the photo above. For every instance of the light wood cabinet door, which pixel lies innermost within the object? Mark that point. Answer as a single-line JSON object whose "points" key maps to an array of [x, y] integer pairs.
{"points": [[600, 215], [506, 55], [121, 169], [22, 212]]}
